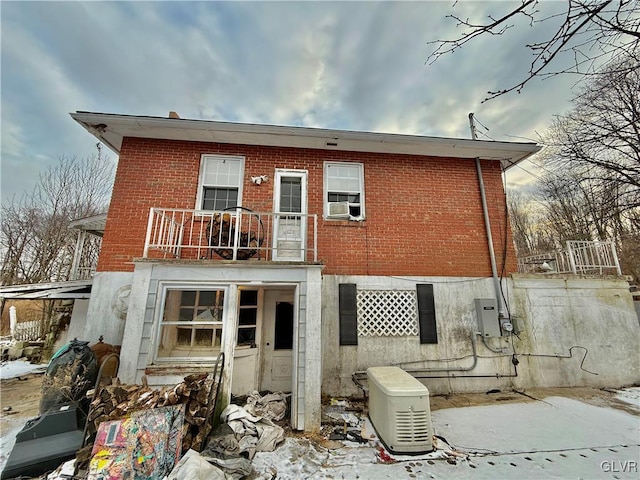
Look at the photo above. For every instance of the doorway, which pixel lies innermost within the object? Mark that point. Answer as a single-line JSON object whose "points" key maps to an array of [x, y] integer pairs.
{"points": [[289, 242], [277, 341]]}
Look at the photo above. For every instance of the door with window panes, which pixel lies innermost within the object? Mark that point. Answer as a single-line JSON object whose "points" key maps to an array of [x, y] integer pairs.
{"points": [[290, 230], [247, 354], [277, 341]]}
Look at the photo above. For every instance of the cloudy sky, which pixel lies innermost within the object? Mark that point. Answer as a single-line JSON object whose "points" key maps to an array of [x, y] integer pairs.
{"points": [[350, 65]]}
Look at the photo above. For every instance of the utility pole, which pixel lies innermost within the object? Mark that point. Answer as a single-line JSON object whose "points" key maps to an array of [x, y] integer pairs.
{"points": [[472, 126]]}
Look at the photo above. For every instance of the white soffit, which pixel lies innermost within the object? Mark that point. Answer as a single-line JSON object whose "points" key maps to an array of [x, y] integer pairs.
{"points": [[112, 128]]}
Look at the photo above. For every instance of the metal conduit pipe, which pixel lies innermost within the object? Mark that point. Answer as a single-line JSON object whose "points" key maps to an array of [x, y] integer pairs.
{"points": [[453, 375], [489, 347], [357, 377], [363, 374], [492, 255], [456, 369]]}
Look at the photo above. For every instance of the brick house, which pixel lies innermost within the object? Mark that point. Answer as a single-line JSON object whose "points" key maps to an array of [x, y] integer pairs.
{"points": [[303, 254]]}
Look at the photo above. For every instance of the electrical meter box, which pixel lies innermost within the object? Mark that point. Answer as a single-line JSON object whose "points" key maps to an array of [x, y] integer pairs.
{"points": [[487, 315]]}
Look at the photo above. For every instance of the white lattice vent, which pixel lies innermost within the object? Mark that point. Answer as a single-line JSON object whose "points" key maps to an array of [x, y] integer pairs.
{"points": [[384, 313]]}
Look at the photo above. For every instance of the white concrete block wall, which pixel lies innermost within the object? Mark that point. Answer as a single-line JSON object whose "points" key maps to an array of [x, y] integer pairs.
{"points": [[553, 314], [595, 314]]}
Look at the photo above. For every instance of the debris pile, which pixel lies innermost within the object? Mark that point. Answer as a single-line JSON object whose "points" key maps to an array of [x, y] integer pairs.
{"points": [[245, 431], [344, 417], [117, 401], [72, 371], [272, 406], [230, 448]]}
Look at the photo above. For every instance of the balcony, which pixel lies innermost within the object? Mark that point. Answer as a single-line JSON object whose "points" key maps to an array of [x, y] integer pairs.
{"points": [[232, 234], [579, 257]]}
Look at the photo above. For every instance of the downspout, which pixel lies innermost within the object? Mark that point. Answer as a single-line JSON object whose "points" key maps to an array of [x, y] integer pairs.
{"points": [[487, 224], [492, 254]]}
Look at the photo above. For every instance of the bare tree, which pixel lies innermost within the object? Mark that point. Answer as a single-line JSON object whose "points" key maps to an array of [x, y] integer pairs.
{"points": [[591, 33], [574, 208], [527, 219], [600, 136], [35, 238]]}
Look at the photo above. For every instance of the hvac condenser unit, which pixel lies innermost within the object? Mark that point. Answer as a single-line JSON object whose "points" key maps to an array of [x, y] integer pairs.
{"points": [[399, 410]]}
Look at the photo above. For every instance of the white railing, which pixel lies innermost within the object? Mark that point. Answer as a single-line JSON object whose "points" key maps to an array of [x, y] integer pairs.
{"points": [[85, 257], [235, 234], [579, 257]]}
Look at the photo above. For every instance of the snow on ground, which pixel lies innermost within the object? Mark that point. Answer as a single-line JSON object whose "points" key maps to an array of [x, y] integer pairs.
{"points": [[19, 367], [11, 425], [10, 428], [554, 438], [630, 396]]}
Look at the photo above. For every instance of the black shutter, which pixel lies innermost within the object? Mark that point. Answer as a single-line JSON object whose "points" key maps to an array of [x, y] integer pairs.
{"points": [[348, 314], [426, 313]]}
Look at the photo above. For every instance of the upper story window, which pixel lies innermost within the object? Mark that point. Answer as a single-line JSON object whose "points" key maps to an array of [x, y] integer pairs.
{"points": [[344, 190], [220, 183]]}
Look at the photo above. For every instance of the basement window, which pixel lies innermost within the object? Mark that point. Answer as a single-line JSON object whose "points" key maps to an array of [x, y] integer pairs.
{"points": [[192, 324], [386, 313]]}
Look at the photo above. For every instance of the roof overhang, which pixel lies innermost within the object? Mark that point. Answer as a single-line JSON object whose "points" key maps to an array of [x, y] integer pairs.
{"points": [[52, 290], [110, 129], [94, 224]]}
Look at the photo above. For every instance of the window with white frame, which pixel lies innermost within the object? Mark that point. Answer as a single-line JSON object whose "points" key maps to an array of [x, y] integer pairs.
{"points": [[344, 190], [247, 318], [220, 183], [191, 324]]}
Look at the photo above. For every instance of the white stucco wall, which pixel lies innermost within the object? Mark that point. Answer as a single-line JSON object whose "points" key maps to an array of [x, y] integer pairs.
{"points": [[143, 313], [78, 322], [595, 314], [107, 310], [553, 314]]}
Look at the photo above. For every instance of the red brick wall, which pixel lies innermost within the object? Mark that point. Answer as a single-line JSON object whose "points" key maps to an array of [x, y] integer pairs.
{"points": [[423, 214]]}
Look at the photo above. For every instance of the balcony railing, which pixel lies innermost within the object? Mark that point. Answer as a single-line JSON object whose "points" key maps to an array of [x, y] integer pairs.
{"points": [[579, 257], [234, 234]]}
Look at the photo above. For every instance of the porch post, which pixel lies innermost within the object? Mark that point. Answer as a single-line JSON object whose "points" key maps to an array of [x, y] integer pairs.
{"points": [[572, 260], [313, 351], [77, 255], [229, 338]]}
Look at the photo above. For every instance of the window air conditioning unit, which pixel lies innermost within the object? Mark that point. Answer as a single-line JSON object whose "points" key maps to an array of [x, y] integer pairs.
{"points": [[339, 209], [399, 410]]}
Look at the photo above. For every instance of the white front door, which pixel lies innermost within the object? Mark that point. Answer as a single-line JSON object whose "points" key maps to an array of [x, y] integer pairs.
{"points": [[247, 351], [277, 341], [289, 241]]}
